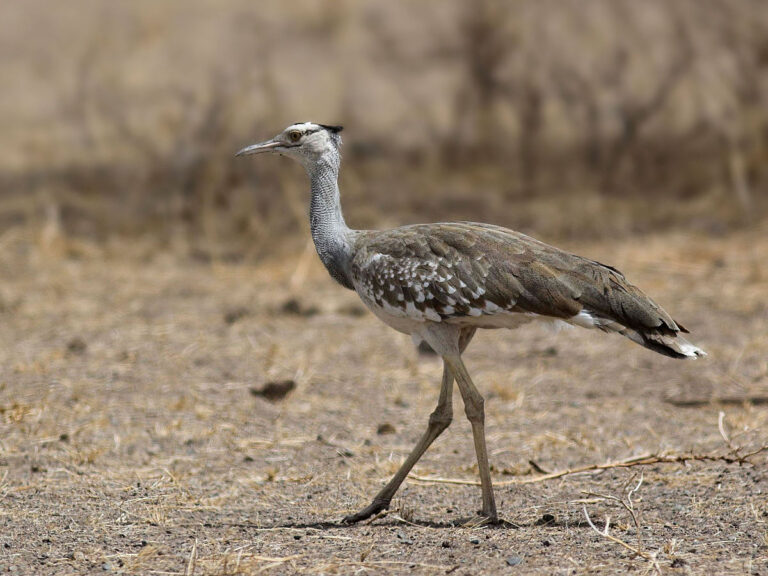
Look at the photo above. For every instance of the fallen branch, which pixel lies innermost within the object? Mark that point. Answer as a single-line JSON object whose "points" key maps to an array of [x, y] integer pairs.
{"points": [[381, 564], [724, 400], [731, 457]]}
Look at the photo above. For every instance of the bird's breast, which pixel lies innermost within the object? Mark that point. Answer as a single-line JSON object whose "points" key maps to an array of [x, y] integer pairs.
{"points": [[394, 317]]}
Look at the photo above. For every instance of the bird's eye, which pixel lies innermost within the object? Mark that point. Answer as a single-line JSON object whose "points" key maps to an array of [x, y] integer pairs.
{"points": [[294, 135]]}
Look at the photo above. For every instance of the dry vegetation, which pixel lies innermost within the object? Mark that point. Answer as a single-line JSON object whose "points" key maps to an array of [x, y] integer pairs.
{"points": [[135, 437], [559, 118], [148, 325]]}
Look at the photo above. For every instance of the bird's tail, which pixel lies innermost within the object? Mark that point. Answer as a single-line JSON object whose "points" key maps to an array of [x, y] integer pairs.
{"points": [[672, 345], [662, 340]]}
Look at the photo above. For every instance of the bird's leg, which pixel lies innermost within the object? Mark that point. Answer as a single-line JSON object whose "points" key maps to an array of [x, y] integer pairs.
{"points": [[439, 420], [474, 406]]}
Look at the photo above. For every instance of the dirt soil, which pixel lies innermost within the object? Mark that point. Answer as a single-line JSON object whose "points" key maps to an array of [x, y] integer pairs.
{"points": [[134, 437]]}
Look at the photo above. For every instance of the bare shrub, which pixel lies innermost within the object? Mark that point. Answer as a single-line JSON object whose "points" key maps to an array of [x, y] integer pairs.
{"points": [[502, 109]]}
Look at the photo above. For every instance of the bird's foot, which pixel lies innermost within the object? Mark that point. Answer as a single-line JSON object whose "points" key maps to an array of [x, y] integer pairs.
{"points": [[482, 519], [373, 508], [475, 521]]}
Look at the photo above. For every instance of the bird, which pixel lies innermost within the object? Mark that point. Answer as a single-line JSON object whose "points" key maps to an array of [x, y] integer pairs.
{"points": [[441, 282]]}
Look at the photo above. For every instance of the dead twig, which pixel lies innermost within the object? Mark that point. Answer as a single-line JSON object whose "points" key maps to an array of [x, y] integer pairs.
{"points": [[535, 465], [3, 485], [723, 432], [192, 559], [627, 504], [734, 456], [606, 534]]}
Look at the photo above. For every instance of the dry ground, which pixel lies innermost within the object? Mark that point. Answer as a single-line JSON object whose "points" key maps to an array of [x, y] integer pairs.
{"points": [[131, 441]]}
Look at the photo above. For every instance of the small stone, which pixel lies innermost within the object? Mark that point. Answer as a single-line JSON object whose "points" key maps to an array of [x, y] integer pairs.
{"points": [[77, 346], [545, 519], [514, 560], [385, 428], [107, 567], [403, 537], [474, 541], [274, 391]]}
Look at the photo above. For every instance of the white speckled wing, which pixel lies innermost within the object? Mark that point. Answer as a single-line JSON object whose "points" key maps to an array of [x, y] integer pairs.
{"points": [[409, 274]]}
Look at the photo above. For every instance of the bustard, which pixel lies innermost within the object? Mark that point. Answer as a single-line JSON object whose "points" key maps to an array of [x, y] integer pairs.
{"points": [[441, 282]]}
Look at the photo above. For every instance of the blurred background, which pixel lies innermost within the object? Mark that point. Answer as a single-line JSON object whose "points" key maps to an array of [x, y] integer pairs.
{"points": [[175, 363], [119, 119]]}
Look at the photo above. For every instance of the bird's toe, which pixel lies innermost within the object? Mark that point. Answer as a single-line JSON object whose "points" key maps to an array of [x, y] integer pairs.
{"points": [[373, 508]]}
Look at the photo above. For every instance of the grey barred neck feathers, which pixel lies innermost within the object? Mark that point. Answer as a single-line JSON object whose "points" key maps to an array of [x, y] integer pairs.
{"points": [[330, 233]]}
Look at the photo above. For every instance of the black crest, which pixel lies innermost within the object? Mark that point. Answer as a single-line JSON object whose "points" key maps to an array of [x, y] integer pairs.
{"points": [[333, 129]]}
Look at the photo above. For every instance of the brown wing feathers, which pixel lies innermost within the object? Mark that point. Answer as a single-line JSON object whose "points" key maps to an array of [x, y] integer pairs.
{"points": [[562, 285], [467, 269]]}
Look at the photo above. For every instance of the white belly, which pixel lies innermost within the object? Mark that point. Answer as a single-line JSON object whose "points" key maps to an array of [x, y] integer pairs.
{"points": [[416, 322], [395, 318]]}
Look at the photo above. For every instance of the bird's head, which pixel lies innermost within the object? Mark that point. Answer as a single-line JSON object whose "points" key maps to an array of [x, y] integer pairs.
{"points": [[305, 142]]}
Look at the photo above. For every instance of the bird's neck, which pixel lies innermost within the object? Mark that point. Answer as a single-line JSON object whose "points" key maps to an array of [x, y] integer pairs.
{"points": [[330, 233]]}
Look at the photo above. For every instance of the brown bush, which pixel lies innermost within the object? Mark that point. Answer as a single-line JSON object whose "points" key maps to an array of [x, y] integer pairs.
{"points": [[558, 117]]}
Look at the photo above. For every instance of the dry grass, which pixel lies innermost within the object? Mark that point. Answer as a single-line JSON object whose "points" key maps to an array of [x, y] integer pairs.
{"points": [[131, 442], [135, 344]]}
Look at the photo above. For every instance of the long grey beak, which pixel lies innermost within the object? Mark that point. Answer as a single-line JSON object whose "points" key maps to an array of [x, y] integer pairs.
{"points": [[267, 146]]}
